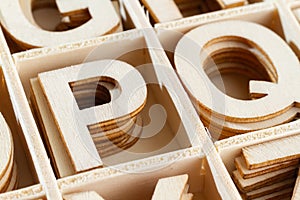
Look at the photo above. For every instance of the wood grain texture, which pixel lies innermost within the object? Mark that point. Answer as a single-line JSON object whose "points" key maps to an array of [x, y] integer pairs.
{"points": [[197, 82], [13, 179], [232, 3], [246, 173], [8, 168], [6, 178], [6, 144], [272, 152], [91, 195], [175, 188], [280, 195], [162, 10], [225, 48], [296, 191], [73, 122], [10, 9], [276, 187], [247, 185], [60, 159]]}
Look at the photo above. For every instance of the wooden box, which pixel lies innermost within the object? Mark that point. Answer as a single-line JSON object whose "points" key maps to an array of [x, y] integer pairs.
{"points": [[179, 142]]}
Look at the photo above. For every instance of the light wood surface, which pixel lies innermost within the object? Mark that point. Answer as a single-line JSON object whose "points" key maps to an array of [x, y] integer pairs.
{"points": [[261, 155], [172, 188], [29, 134], [91, 195], [219, 42], [171, 10], [163, 10], [274, 188], [62, 164], [12, 9], [247, 185], [283, 194], [8, 167], [196, 80], [79, 180], [247, 173], [232, 3], [296, 191], [7, 148], [74, 123]]}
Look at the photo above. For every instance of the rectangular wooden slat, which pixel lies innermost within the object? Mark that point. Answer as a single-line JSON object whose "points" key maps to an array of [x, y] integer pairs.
{"points": [[247, 185], [246, 173], [272, 152]]}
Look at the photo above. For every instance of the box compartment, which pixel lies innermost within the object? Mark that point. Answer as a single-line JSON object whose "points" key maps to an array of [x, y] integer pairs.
{"points": [[137, 180], [231, 148], [169, 136], [45, 14], [26, 173], [234, 84]]}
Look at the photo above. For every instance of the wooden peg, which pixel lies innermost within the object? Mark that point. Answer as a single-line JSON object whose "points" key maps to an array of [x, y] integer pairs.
{"points": [[98, 24], [174, 188], [73, 122], [91, 195]]}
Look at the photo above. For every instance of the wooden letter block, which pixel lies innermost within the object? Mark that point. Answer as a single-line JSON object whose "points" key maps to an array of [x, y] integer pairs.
{"points": [[163, 10], [262, 155], [169, 10], [8, 167], [223, 45], [232, 3], [76, 120], [174, 188], [104, 19], [296, 192]]}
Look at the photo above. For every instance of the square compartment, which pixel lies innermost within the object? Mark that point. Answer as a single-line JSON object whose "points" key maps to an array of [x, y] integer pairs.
{"points": [[170, 136], [137, 180], [266, 14], [230, 148], [45, 14], [26, 174], [189, 8]]}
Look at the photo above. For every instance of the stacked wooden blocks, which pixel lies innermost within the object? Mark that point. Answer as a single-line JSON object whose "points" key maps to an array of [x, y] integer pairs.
{"points": [[100, 91], [268, 170], [226, 48], [8, 167], [79, 138]]}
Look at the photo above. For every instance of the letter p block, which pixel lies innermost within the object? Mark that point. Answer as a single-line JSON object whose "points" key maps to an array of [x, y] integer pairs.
{"points": [[73, 121]]}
